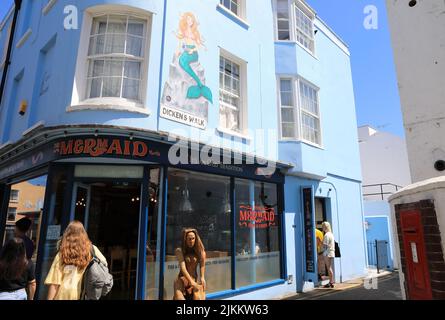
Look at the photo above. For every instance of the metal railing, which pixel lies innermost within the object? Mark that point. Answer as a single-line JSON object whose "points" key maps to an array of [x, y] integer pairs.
{"points": [[381, 190], [378, 251]]}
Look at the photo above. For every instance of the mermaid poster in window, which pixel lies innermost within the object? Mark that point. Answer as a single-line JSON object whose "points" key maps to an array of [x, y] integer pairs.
{"points": [[186, 98]]}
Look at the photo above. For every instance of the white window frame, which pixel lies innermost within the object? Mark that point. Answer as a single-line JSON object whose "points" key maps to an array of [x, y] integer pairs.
{"points": [[80, 100], [243, 112], [298, 110], [241, 9], [16, 199], [293, 5], [290, 17], [301, 111], [299, 6]]}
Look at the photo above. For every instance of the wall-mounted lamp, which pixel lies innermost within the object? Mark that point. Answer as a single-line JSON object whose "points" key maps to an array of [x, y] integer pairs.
{"points": [[22, 107]]}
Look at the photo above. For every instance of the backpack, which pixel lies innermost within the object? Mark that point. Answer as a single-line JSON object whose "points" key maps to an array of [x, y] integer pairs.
{"points": [[337, 250], [97, 280]]}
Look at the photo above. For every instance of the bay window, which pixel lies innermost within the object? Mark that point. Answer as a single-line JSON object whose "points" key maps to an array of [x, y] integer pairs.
{"points": [[294, 21], [299, 120]]}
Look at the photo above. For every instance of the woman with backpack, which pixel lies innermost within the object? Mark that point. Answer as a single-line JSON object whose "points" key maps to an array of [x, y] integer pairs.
{"points": [[16, 272], [75, 253], [328, 251]]}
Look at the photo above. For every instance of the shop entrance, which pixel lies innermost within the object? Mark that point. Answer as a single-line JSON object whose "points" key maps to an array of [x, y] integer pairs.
{"points": [[110, 212]]}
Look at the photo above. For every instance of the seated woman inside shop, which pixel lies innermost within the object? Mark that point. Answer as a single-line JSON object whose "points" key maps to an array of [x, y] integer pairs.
{"points": [[191, 253]]}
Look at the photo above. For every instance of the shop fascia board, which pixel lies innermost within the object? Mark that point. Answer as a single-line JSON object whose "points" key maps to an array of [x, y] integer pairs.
{"points": [[237, 155], [42, 134]]}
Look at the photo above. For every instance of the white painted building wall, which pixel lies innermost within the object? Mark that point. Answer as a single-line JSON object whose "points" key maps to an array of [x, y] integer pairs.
{"points": [[418, 40], [384, 158]]}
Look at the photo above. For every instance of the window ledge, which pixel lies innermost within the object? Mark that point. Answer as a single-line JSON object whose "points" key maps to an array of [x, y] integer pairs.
{"points": [[23, 38], [229, 14], [284, 140], [48, 6], [109, 106], [234, 133]]}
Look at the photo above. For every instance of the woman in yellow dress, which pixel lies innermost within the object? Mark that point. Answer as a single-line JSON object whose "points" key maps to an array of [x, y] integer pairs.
{"points": [[65, 276]]}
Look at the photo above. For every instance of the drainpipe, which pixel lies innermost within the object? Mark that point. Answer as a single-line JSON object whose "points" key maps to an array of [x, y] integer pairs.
{"points": [[17, 6]]}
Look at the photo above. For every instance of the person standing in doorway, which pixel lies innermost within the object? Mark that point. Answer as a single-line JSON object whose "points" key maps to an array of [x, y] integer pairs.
{"points": [[65, 276], [21, 228], [328, 252], [17, 275]]}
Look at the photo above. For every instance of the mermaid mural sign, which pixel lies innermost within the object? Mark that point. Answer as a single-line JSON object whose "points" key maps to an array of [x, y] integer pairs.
{"points": [[186, 98]]}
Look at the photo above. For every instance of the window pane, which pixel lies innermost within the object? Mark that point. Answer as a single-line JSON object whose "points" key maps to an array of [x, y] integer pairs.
{"points": [[114, 43], [283, 19], [95, 87], [97, 68], [117, 24], [26, 201], [288, 130], [305, 33], [202, 202], [132, 69], [309, 98], [311, 128], [134, 46], [229, 118], [111, 87], [229, 94], [113, 67], [287, 115], [257, 233], [130, 89], [136, 27], [96, 45]]}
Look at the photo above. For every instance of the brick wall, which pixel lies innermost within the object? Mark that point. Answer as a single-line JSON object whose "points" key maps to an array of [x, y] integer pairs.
{"points": [[433, 246]]}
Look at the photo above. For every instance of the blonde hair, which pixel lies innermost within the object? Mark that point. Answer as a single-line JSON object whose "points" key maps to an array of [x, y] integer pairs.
{"points": [[75, 246], [183, 25], [198, 248], [326, 225]]}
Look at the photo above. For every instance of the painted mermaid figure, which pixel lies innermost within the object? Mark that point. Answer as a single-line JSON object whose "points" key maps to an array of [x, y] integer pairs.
{"points": [[189, 42]]}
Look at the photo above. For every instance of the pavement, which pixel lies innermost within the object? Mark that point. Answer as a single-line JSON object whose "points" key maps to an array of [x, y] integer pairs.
{"points": [[382, 286]]}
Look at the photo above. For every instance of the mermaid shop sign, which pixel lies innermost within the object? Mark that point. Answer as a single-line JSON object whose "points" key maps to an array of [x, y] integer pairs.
{"points": [[186, 98]]}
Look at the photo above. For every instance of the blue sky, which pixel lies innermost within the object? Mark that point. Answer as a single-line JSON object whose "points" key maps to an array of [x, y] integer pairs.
{"points": [[375, 84]]}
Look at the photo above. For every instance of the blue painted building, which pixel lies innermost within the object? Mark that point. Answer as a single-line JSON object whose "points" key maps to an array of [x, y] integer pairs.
{"points": [[318, 136], [142, 118]]}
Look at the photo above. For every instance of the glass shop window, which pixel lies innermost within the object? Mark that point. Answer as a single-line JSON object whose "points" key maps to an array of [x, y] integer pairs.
{"points": [[26, 205], [257, 233], [202, 202]]}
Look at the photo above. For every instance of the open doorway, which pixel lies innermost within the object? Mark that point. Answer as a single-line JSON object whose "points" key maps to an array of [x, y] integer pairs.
{"points": [[110, 212], [320, 217]]}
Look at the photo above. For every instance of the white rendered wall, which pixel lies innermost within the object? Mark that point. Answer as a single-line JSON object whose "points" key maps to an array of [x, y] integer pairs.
{"points": [[384, 158], [418, 40]]}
